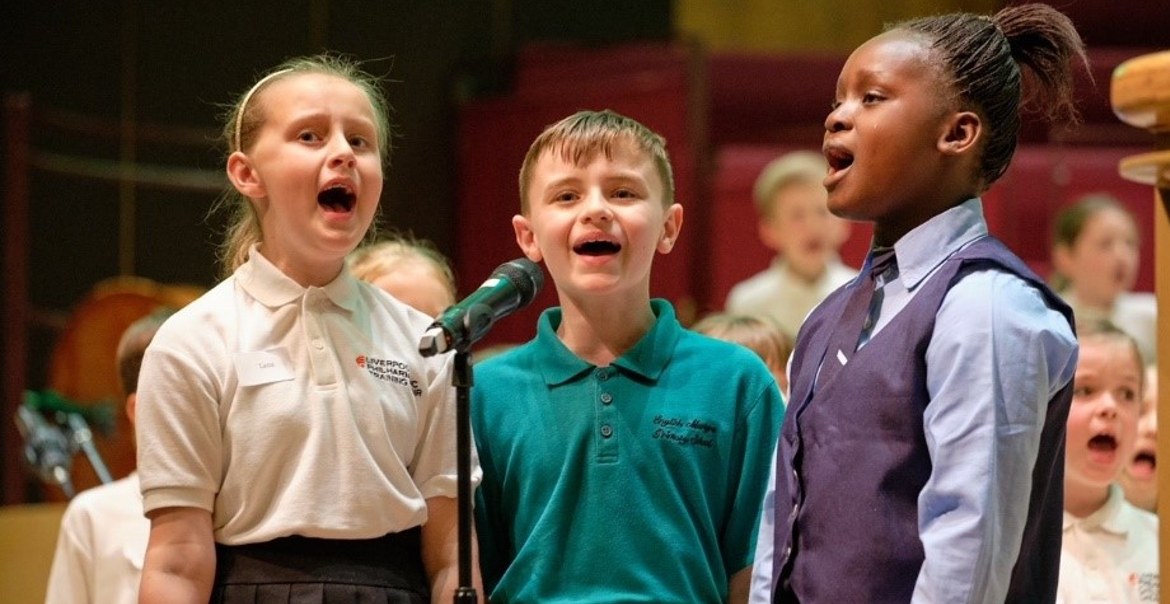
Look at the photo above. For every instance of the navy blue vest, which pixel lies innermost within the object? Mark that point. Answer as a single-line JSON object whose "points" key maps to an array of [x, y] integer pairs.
{"points": [[853, 458]]}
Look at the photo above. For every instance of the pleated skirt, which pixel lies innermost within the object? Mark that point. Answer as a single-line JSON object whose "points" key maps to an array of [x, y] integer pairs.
{"points": [[301, 570]]}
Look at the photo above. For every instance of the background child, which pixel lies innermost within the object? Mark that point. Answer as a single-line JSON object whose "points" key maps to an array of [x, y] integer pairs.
{"points": [[1138, 478], [1095, 261], [624, 457], [1109, 551], [922, 449], [410, 269], [103, 532], [794, 222], [759, 334], [293, 444]]}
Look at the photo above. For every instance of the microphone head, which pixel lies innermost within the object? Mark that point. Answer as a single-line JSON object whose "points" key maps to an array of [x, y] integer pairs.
{"points": [[526, 275]]}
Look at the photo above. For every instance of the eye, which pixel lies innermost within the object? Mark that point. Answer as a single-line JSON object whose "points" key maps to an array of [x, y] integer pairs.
{"points": [[1128, 395], [834, 105], [871, 97], [565, 197], [1082, 391], [625, 194], [359, 142], [308, 136]]}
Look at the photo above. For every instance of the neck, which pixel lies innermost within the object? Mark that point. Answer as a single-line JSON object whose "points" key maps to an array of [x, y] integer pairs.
{"points": [[1099, 303], [600, 331], [1082, 501], [306, 273], [805, 275]]}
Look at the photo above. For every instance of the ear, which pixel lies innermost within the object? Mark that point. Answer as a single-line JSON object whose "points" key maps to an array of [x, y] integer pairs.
{"points": [[962, 133], [767, 234], [132, 406], [526, 238], [244, 176], [1062, 261], [671, 226]]}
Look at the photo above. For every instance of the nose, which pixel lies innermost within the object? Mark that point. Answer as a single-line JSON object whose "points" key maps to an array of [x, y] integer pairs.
{"points": [[341, 153], [596, 208], [1148, 425], [1108, 405], [837, 120]]}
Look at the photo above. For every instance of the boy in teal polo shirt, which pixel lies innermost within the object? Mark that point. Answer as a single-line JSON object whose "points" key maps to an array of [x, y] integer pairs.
{"points": [[625, 458]]}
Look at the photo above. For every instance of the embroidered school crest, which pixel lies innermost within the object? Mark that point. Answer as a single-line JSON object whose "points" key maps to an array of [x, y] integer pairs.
{"points": [[389, 371]]}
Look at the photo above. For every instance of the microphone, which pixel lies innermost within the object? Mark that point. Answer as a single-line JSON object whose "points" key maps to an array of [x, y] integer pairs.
{"points": [[511, 287], [46, 449]]}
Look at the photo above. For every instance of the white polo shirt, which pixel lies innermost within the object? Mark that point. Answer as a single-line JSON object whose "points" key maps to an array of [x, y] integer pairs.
{"points": [[286, 410], [1110, 555], [100, 547]]}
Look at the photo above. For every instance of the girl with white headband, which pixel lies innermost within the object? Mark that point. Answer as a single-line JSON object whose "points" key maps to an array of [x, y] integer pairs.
{"points": [[294, 445]]}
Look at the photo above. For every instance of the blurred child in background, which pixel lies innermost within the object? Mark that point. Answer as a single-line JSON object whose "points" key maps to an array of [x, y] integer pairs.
{"points": [[104, 530], [1109, 551], [1095, 264], [758, 334], [1138, 478], [795, 223], [410, 269]]}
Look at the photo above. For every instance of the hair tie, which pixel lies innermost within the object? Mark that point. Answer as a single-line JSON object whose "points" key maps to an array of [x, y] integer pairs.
{"points": [[248, 97], [990, 19]]}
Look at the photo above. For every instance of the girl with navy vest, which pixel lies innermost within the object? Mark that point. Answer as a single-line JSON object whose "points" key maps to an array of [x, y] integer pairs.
{"points": [[921, 456]]}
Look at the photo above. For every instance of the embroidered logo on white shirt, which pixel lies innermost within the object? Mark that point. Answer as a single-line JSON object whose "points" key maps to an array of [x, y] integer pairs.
{"points": [[391, 371]]}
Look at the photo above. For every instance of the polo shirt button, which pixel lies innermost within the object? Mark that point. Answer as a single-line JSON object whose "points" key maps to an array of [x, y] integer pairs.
{"points": [[606, 430], [318, 344], [603, 375], [606, 398]]}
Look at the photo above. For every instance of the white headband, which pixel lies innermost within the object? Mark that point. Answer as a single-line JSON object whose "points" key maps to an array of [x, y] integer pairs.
{"points": [[244, 103]]}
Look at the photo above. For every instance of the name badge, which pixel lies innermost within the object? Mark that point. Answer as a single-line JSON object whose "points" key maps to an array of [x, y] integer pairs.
{"points": [[263, 367]]}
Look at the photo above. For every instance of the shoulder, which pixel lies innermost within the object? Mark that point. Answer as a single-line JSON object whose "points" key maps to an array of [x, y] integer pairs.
{"points": [[1138, 519], [998, 310], [101, 500], [839, 273], [1138, 303], [702, 355], [1002, 296], [202, 320], [521, 360], [760, 284], [380, 303]]}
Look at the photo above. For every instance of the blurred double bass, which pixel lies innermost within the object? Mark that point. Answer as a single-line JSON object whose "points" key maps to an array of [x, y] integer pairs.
{"points": [[83, 370]]}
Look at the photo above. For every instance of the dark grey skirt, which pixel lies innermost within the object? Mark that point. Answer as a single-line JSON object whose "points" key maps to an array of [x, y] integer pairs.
{"points": [[300, 570]]}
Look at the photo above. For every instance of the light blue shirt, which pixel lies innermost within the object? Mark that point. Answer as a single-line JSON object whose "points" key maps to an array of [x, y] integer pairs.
{"points": [[998, 354]]}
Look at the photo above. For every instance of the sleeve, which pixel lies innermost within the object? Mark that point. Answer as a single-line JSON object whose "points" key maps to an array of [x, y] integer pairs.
{"points": [[761, 586], [756, 438], [180, 441], [997, 356], [435, 469], [71, 574]]}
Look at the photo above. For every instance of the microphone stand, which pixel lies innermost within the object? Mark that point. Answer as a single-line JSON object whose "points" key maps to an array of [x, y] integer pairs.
{"points": [[83, 438], [464, 379]]}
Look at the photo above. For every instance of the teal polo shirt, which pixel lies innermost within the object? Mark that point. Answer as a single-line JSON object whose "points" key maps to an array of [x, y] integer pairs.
{"points": [[637, 482]]}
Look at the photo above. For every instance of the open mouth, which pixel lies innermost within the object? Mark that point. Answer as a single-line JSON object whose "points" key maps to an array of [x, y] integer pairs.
{"points": [[1145, 462], [337, 198], [838, 158], [1104, 443], [597, 248]]}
